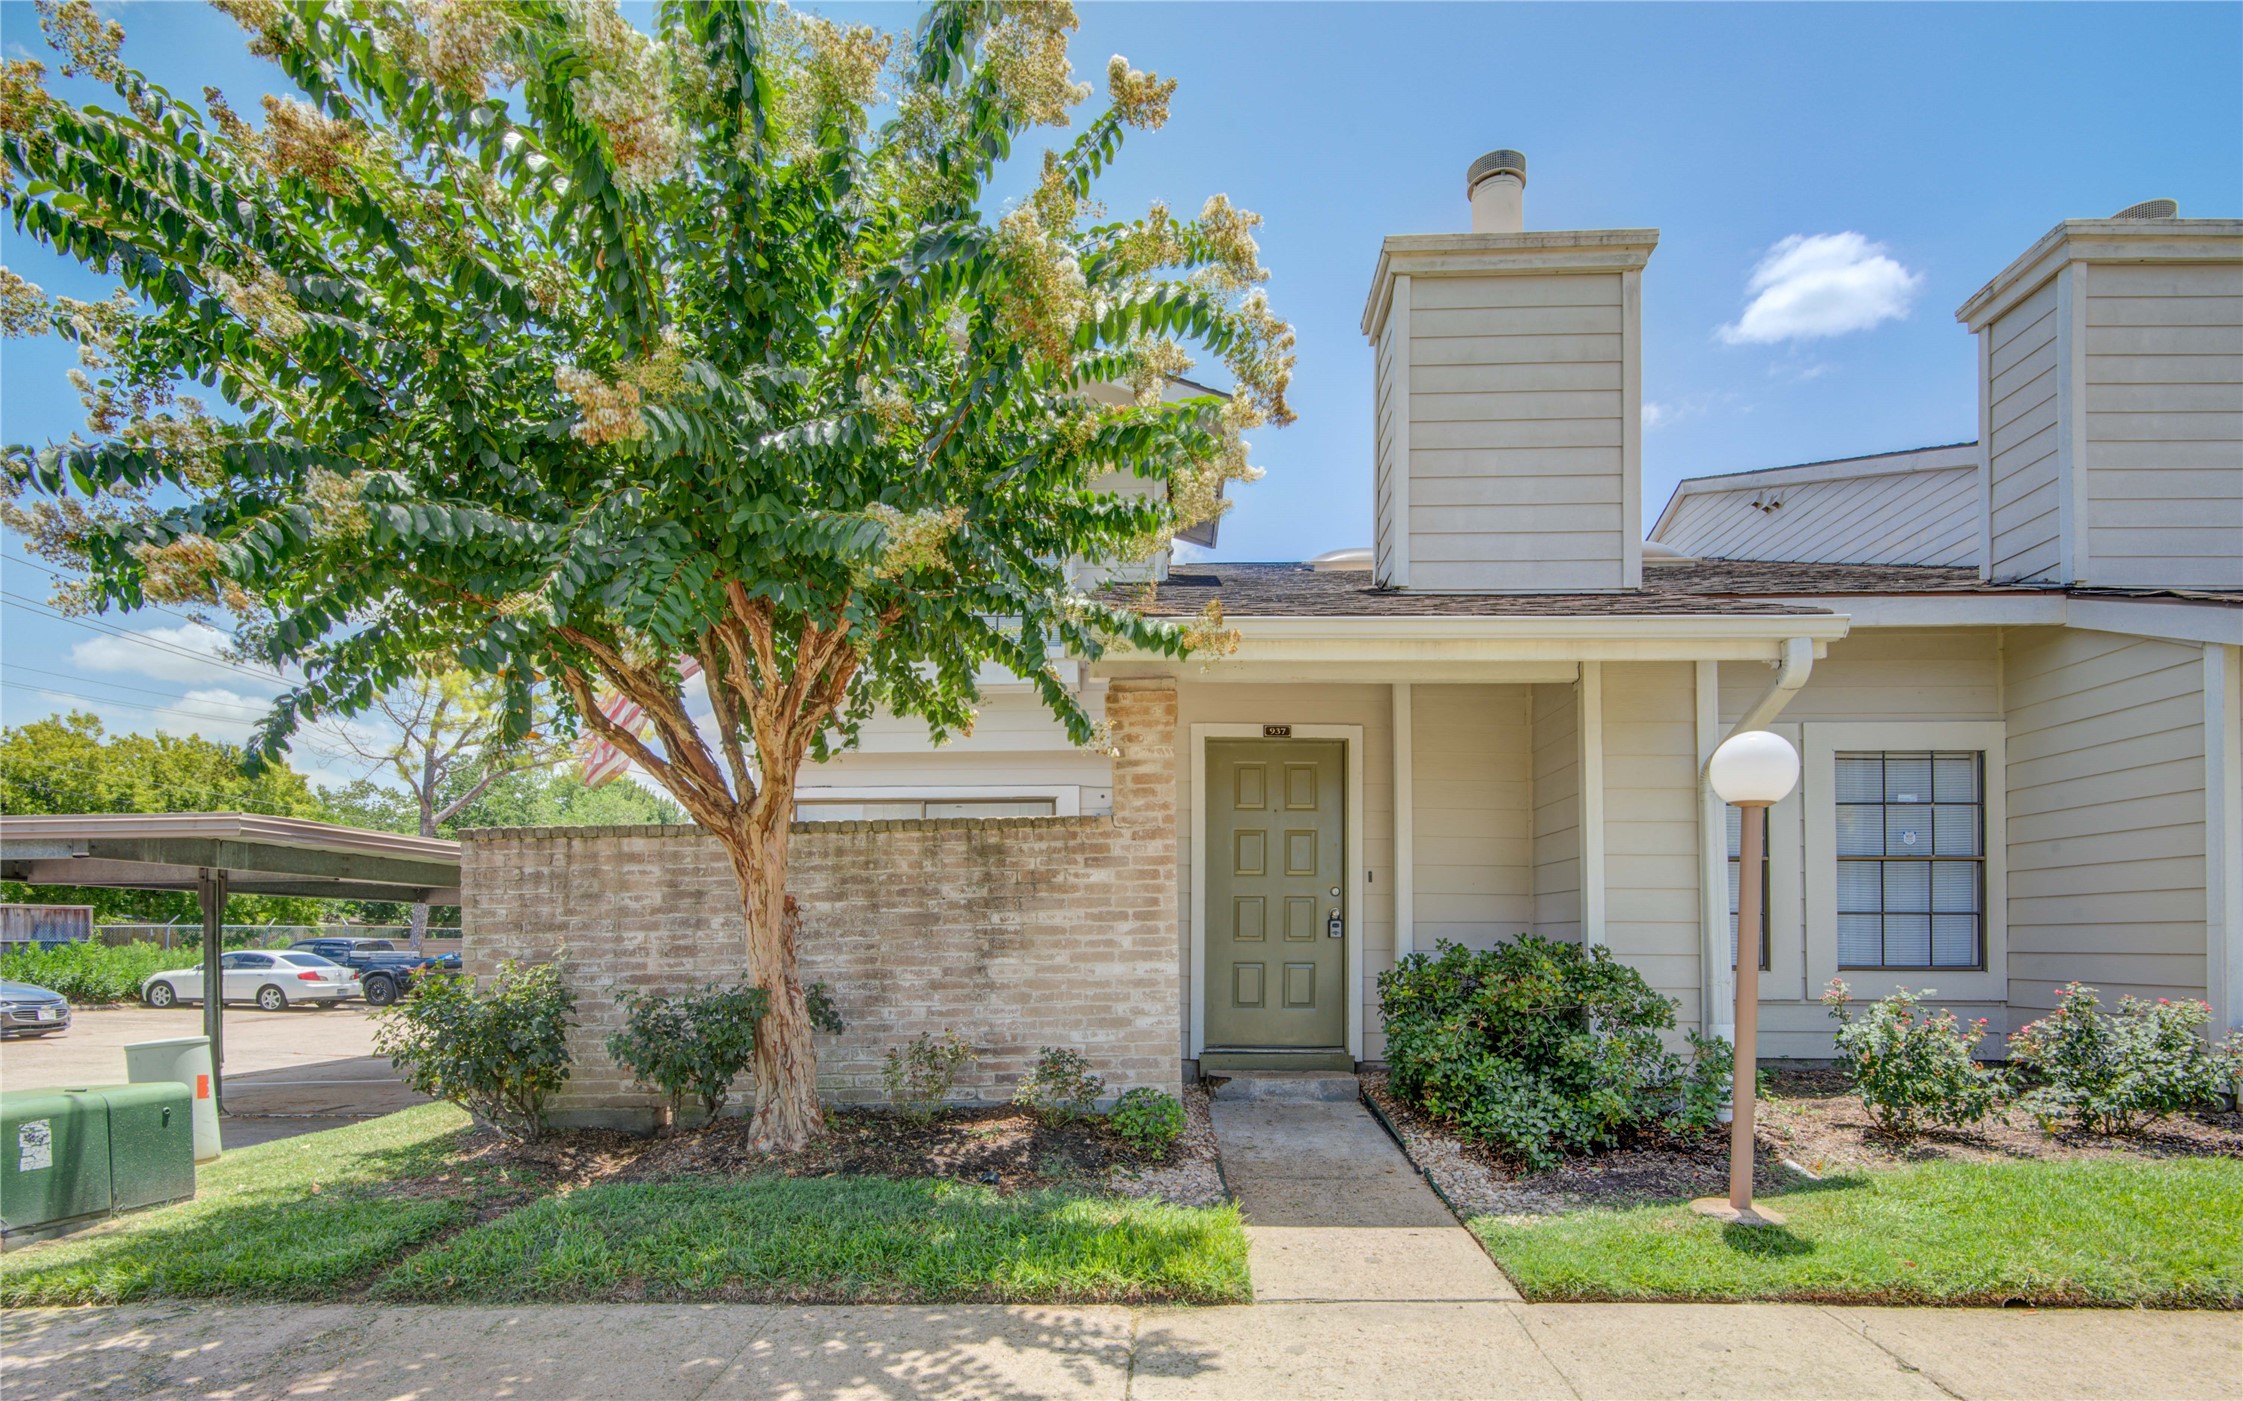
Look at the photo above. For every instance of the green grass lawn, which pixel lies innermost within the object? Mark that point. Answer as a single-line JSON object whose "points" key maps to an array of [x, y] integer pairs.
{"points": [[2102, 1231], [292, 1219], [329, 1213], [859, 1239]]}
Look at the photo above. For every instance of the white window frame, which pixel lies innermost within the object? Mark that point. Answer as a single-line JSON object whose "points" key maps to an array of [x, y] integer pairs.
{"points": [[1824, 742], [1066, 798]]}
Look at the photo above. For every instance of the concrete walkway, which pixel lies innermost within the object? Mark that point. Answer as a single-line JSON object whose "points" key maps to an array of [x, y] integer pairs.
{"points": [[655, 1352], [1335, 1213]]}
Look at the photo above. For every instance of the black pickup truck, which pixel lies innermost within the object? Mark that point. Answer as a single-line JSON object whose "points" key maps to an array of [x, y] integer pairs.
{"points": [[385, 971]]}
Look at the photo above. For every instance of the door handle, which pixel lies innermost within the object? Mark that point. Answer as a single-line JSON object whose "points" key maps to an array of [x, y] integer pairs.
{"points": [[1332, 925]]}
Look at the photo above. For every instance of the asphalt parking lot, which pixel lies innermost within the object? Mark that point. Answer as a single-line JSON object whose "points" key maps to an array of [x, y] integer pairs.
{"points": [[286, 1073]]}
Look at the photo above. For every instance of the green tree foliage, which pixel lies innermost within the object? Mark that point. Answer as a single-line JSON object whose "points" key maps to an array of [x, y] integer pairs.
{"points": [[561, 352], [70, 764]]}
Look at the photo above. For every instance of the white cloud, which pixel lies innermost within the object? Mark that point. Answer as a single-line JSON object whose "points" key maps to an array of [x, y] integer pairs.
{"points": [[188, 653], [1812, 285], [1655, 414]]}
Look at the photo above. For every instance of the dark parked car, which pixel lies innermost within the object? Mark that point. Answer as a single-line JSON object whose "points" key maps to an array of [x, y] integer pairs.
{"points": [[26, 1010], [385, 971]]}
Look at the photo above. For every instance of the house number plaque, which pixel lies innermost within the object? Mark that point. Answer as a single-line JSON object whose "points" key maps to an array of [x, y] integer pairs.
{"points": [[1277, 732]]}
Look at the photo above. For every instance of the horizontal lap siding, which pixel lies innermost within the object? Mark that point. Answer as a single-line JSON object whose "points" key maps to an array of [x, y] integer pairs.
{"points": [[2022, 454], [1515, 433], [1473, 838], [1371, 707], [1651, 822], [1556, 791], [2164, 454], [2106, 815], [1890, 518], [1383, 450]]}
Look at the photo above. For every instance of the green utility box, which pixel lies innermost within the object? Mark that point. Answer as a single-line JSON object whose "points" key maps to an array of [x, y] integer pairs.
{"points": [[68, 1157]]}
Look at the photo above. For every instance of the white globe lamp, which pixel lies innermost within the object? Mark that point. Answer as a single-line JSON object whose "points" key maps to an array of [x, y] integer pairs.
{"points": [[1752, 771]]}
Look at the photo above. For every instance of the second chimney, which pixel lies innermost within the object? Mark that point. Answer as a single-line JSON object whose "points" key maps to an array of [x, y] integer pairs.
{"points": [[1496, 185]]}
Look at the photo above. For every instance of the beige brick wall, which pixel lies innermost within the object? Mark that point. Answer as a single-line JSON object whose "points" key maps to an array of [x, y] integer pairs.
{"points": [[1017, 933]]}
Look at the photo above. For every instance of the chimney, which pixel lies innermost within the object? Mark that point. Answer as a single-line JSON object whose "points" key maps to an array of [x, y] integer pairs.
{"points": [[1507, 399], [1496, 185]]}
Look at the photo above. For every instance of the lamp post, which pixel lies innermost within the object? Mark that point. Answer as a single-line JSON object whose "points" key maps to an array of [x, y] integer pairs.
{"points": [[1750, 771]]}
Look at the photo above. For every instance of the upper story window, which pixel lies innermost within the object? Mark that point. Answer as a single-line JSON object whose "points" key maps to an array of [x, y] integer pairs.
{"points": [[1911, 853]]}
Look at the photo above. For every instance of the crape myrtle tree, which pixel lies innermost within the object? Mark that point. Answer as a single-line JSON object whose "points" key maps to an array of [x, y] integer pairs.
{"points": [[563, 352]]}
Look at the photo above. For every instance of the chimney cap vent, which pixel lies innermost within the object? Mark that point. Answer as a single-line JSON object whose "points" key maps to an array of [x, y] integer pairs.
{"points": [[1495, 163], [2150, 209]]}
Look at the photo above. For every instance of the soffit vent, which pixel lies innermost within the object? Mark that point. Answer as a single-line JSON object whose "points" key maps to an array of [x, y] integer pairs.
{"points": [[2150, 209]]}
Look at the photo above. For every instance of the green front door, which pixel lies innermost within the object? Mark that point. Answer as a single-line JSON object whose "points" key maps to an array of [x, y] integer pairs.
{"points": [[1276, 918]]}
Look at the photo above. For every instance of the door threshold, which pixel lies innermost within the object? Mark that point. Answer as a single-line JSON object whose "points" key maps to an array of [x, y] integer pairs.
{"points": [[1229, 1062]]}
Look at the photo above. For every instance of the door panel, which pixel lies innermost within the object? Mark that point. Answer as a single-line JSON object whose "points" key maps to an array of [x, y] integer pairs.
{"points": [[1275, 860]]}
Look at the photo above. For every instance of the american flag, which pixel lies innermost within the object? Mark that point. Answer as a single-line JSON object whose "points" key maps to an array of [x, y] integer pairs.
{"points": [[602, 760]]}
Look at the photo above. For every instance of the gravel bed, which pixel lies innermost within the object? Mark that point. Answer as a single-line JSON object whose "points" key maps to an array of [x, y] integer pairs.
{"points": [[1192, 1174]]}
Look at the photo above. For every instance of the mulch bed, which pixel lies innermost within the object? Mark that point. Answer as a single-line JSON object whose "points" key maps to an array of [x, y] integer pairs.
{"points": [[1000, 1147], [1809, 1116]]}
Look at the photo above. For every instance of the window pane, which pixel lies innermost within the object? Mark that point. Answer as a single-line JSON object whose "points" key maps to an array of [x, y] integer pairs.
{"points": [[1908, 887], [1955, 778], [1908, 778], [1907, 830], [1954, 941], [1954, 887], [1907, 941], [1733, 818], [1860, 887], [1860, 778], [1860, 941], [1861, 831], [1955, 831]]}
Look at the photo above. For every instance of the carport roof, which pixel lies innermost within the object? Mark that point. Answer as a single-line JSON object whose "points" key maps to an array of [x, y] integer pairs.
{"points": [[259, 855]]}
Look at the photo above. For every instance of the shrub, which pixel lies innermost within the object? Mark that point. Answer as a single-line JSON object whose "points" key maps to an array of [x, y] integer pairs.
{"points": [[919, 1075], [93, 972], [692, 1046], [2114, 1074], [1542, 1049], [1912, 1073], [498, 1051], [1061, 1088], [1148, 1120]]}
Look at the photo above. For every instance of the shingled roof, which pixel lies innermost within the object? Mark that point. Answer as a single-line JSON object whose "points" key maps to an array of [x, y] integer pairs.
{"points": [[1693, 588]]}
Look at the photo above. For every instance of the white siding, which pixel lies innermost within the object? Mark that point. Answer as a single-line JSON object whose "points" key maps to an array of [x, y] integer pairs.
{"points": [[1015, 742], [1651, 822], [1384, 449], [1516, 389], [1473, 842], [1873, 518], [1371, 707], [1556, 791], [2164, 458], [2022, 416], [2106, 816]]}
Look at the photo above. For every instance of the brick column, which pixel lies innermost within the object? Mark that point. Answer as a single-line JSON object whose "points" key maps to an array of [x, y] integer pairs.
{"points": [[1141, 720]]}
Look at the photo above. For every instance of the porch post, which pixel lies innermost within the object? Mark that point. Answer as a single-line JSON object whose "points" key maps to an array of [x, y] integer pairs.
{"points": [[1716, 995], [210, 894], [1592, 802], [1405, 824]]}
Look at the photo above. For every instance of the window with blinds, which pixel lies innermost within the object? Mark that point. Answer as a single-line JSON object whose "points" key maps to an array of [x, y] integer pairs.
{"points": [[1911, 849]]}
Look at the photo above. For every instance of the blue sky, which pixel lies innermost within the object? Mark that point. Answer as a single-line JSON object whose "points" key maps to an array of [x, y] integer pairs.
{"points": [[1943, 139]]}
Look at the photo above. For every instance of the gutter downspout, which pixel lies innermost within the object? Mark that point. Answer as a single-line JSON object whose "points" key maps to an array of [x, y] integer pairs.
{"points": [[1796, 665]]}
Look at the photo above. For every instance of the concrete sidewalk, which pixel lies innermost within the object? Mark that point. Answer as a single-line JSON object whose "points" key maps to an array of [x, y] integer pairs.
{"points": [[653, 1351]]}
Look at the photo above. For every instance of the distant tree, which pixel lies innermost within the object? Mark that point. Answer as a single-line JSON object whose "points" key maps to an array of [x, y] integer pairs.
{"points": [[671, 352], [71, 764], [445, 742]]}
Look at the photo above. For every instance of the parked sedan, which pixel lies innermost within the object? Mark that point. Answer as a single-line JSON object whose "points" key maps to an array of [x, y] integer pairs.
{"points": [[271, 979], [26, 1010]]}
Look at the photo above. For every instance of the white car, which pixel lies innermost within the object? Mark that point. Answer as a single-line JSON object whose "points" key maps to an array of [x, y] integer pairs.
{"points": [[271, 979]]}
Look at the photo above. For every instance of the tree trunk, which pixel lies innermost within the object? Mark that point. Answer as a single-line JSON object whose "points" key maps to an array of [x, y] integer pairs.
{"points": [[786, 1060], [420, 926]]}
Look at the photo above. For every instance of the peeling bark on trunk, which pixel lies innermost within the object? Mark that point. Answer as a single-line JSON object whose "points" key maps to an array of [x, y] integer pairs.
{"points": [[787, 1116]]}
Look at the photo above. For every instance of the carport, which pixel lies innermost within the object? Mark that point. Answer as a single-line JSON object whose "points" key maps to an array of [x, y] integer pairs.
{"points": [[216, 854]]}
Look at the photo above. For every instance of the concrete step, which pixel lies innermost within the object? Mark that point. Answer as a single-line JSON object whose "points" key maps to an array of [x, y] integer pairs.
{"points": [[1291, 1086]]}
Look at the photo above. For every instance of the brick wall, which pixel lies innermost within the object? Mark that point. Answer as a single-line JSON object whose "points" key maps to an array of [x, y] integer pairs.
{"points": [[1017, 933]]}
